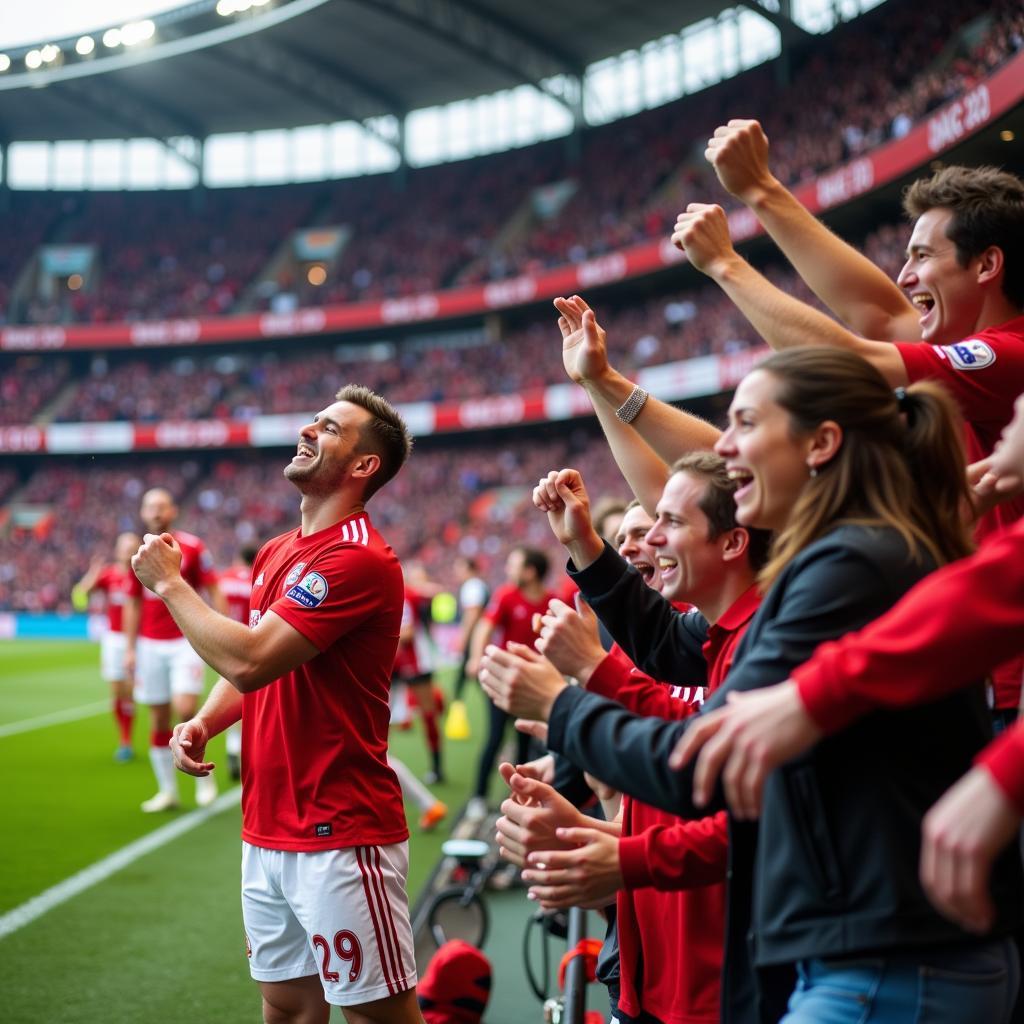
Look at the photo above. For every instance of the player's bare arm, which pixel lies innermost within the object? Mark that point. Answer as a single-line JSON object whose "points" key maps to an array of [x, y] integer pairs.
{"points": [[656, 437], [857, 291], [702, 232], [481, 638], [130, 628], [221, 710], [216, 597], [248, 658]]}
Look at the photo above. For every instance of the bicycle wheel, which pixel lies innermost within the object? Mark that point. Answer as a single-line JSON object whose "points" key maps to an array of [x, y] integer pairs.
{"points": [[458, 913]]}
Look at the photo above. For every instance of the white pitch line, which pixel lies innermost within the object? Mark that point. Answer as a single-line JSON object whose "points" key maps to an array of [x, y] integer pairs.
{"points": [[102, 869], [55, 718]]}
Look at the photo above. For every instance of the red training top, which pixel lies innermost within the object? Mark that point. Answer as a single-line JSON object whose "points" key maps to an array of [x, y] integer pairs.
{"points": [[985, 374], [115, 583], [415, 656], [513, 614], [236, 585], [315, 775], [155, 621], [671, 912]]}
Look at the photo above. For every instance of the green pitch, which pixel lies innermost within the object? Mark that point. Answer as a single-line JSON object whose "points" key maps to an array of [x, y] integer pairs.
{"points": [[161, 938]]}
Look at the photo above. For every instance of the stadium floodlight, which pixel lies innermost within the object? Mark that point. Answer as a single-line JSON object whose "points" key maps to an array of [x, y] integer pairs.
{"points": [[33, 60], [225, 8], [85, 46], [49, 53], [136, 32], [5, 62], [112, 38]]}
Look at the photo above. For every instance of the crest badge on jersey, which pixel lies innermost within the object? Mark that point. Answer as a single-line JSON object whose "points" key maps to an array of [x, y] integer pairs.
{"points": [[971, 354], [310, 593], [293, 576], [254, 618]]}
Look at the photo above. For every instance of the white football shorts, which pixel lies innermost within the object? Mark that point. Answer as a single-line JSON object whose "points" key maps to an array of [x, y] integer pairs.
{"points": [[340, 914], [164, 668], [112, 648]]}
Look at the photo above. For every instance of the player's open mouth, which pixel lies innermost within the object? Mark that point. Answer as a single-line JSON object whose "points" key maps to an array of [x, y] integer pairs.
{"points": [[667, 566], [304, 451]]}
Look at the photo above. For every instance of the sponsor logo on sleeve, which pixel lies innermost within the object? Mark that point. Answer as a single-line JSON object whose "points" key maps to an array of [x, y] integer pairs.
{"points": [[293, 576], [254, 618], [258, 582], [971, 354], [310, 593]]}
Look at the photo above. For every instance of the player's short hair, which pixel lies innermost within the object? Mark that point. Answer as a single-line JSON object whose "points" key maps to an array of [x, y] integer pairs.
{"points": [[535, 559], [384, 433], [988, 209], [718, 504], [248, 552]]}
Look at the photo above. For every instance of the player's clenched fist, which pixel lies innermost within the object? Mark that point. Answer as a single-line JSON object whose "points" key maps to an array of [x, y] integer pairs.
{"points": [[738, 151], [158, 560], [188, 745], [702, 232]]}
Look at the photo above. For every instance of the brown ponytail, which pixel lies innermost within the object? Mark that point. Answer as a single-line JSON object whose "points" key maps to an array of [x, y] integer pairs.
{"points": [[901, 463]]}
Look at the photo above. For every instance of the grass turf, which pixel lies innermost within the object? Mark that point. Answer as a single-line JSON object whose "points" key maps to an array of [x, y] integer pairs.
{"points": [[162, 938]]}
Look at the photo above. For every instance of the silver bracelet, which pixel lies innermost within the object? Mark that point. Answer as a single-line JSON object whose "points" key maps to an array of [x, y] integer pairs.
{"points": [[630, 408]]}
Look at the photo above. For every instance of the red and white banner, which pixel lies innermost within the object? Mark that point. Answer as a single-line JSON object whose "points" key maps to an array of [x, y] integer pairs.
{"points": [[948, 126], [672, 382]]}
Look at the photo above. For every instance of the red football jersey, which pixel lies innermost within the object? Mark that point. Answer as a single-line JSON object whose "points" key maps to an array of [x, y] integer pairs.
{"points": [[236, 585], [511, 613], [415, 656], [315, 775], [985, 374], [115, 583], [155, 621]]}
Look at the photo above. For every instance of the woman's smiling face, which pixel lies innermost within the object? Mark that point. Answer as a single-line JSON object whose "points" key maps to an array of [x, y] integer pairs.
{"points": [[762, 452]]}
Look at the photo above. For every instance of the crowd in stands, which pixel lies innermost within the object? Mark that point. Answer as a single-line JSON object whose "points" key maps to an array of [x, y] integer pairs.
{"points": [[462, 498], [28, 384], [177, 254], [700, 321]]}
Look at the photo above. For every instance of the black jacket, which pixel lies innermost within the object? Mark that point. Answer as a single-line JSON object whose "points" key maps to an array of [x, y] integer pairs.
{"points": [[832, 871]]}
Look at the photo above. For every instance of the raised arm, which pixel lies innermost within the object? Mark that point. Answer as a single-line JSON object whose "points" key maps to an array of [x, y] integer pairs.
{"points": [[702, 231], [857, 291], [656, 437], [248, 658]]}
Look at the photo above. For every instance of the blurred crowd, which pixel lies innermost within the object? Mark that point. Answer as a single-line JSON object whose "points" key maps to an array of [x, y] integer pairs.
{"points": [[201, 253]]}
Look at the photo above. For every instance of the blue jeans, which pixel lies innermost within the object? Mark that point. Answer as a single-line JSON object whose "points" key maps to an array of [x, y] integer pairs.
{"points": [[976, 985]]}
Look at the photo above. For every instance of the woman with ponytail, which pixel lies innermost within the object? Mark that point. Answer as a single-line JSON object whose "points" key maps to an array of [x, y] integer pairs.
{"points": [[865, 489]]}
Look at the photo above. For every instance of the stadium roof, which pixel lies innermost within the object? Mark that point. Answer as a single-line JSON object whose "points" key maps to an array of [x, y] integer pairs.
{"points": [[309, 61]]}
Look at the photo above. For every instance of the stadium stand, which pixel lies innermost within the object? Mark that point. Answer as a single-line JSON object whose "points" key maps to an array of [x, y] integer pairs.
{"points": [[185, 254]]}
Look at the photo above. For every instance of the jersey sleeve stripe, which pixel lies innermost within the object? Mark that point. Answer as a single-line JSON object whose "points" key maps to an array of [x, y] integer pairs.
{"points": [[361, 857], [344, 532], [365, 532]]}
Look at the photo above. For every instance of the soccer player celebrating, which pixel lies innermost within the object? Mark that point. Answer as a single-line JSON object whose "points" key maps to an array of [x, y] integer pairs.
{"points": [[114, 581], [325, 852], [165, 668]]}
